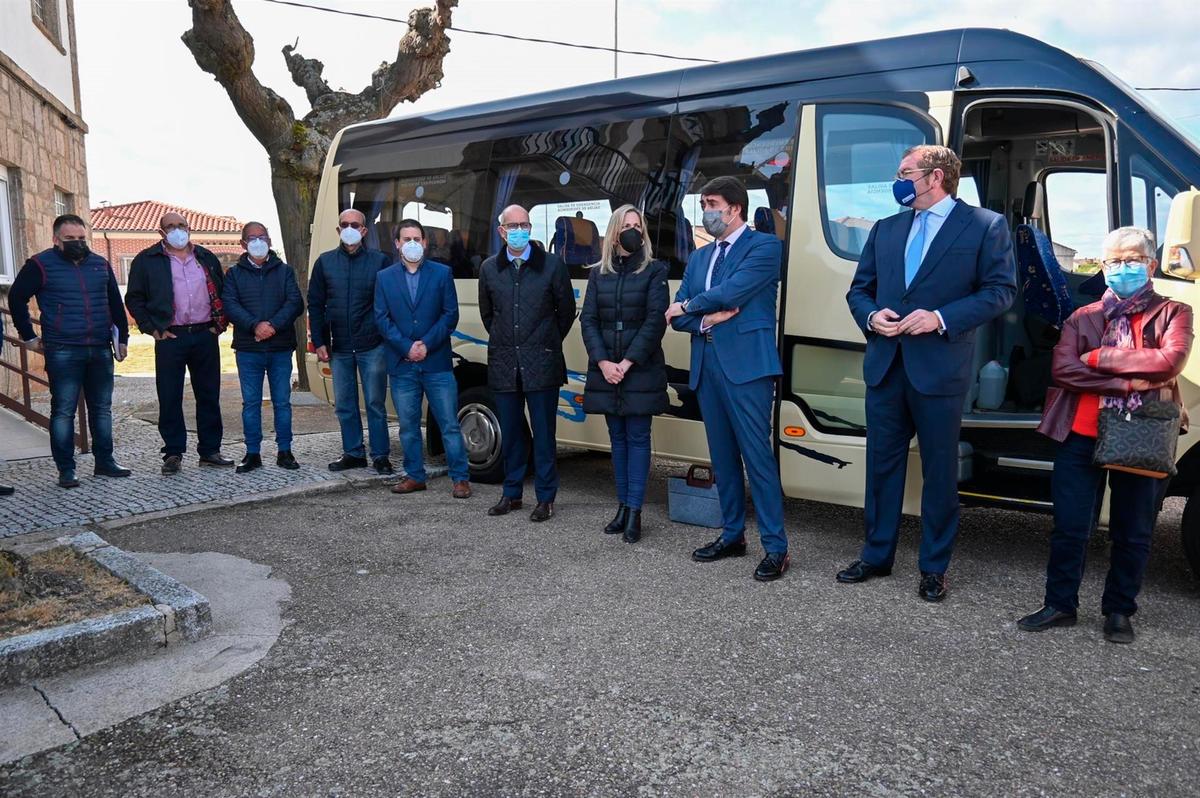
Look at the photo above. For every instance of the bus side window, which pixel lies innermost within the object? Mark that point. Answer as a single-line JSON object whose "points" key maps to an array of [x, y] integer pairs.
{"points": [[1151, 196], [860, 147]]}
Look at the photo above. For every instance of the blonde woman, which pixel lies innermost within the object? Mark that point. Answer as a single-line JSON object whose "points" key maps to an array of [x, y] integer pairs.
{"points": [[623, 326]]}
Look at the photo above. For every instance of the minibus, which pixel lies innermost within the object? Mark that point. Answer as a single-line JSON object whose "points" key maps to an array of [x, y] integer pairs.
{"points": [[1061, 147]]}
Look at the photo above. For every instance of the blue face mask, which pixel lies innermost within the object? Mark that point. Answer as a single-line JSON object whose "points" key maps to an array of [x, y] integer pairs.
{"points": [[518, 239], [1125, 280], [905, 192]]}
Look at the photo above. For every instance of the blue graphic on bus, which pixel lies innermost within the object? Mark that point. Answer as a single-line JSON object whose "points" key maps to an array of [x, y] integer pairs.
{"points": [[574, 410]]}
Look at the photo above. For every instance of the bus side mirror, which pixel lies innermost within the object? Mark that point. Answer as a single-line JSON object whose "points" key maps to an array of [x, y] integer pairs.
{"points": [[1181, 242]]}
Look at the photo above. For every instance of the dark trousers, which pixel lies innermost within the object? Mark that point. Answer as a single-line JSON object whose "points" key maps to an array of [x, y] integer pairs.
{"points": [[630, 438], [197, 354], [543, 417], [72, 370], [1078, 488], [895, 411]]}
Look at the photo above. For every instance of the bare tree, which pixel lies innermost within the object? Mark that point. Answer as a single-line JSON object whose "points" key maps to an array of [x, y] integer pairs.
{"points": [[295, 147]]}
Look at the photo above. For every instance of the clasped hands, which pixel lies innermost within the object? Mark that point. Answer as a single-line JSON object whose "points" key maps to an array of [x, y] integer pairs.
{"points": [[614, 372], [418, 352], [887, 322], [263, 330]]}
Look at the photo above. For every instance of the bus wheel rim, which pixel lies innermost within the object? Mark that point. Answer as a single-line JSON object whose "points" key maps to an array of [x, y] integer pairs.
{"points": [[481, 434]]}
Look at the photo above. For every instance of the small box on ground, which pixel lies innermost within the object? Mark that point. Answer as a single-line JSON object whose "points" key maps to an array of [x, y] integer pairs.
{"points": [[693, 499]]}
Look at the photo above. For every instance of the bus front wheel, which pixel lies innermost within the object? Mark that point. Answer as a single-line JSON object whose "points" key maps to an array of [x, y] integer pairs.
{"points": [[480, 425], [1190, 529]]}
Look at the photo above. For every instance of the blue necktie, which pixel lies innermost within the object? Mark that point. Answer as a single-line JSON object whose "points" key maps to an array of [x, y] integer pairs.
{"points": [[912, 257], [722, 246]]}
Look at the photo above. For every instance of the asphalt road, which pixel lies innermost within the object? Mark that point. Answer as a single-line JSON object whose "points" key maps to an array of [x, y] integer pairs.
{"points": [[435, 651]]}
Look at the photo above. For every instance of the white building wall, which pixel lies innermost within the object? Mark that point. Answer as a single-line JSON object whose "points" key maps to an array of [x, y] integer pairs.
{"points": [[23, 42]]}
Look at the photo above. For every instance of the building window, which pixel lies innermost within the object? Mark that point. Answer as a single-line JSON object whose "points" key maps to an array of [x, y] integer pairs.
{"points": [[7, 256], [46, 18], [63, 202]]}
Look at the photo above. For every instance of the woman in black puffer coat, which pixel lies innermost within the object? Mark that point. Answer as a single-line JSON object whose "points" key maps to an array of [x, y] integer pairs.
{"points": [[623, 324]]}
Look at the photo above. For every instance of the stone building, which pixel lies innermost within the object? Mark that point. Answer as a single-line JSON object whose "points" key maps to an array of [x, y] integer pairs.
{"points": [[43, 169], [121, 231]]}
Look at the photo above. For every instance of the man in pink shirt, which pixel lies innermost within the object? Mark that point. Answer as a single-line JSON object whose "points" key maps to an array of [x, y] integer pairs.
{"points": [[174, 294]]}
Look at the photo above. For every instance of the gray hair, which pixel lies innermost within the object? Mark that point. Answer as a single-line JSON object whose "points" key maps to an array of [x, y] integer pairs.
{"points": [[1138, 239]]}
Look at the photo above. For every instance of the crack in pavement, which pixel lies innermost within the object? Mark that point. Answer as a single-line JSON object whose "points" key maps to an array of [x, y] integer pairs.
{"points": [[54, 709]]}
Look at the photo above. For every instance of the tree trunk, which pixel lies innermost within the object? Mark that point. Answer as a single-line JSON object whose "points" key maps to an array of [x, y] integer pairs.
{"points": [[296, 203]]}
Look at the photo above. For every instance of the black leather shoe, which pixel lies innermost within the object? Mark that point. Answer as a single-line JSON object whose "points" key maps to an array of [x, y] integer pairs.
{"points": [[383, 466], [1046, 618], [617, 525], [285, 459], [719, 550], [111, 470], [932, 587], [1118, 628], [215, 459], [859, 571], [66, 479], [772, 567], [249, 463], [504, 506], [346, 462], [7, 490], [632, 532], [171, 464], [543, 512]]}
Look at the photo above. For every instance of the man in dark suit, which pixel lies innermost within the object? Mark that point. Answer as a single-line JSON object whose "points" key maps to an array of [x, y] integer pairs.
{"points": [[416, 309], [925, 281], [727, 301]]}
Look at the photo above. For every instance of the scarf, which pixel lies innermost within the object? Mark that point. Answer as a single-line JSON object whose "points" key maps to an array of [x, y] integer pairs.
{"points": [[214, 302], [1118, 332]]}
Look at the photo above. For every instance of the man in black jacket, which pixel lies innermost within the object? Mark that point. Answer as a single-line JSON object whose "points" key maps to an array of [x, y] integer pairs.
{"points": [[174, 294], [528, 306], [262, 299], [341, 322]]}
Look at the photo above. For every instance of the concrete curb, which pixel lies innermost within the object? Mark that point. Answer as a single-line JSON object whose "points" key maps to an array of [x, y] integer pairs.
{"points": [[178, 614]]}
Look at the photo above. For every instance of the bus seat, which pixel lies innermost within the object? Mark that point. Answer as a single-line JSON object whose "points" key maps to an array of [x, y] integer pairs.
{"points": [[1043, 285], [769, 220], [437, 244], [576, 241]]}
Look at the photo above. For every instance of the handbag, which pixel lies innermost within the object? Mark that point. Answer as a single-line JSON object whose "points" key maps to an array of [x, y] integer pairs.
{"points": [[1141, 441]]}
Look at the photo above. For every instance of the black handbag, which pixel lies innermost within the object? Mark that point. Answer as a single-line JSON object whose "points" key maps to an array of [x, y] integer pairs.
{"points": [[1142, 441]]}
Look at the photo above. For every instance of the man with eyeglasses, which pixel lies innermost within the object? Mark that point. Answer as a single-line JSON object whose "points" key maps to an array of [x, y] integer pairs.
{"points": [[174, 294], [341, 322], [926, 279], [527, 306]]}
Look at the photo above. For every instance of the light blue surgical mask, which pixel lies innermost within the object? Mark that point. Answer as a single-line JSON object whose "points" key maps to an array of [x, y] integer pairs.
{"points": [[518, 239], [1126, 277], [257, 248]]}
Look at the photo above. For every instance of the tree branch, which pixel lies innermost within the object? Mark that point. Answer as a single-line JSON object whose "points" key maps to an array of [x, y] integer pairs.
{"points": [[306, 73], [223, 48]]}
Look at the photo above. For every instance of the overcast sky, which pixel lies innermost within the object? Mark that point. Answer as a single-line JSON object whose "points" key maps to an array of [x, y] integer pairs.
{"points": [[163, 129]]}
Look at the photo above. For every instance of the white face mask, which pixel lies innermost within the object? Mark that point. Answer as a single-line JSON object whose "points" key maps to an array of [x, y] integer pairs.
{"points": [[412, 251], [351, 237], [178, 238], [257, 248]]}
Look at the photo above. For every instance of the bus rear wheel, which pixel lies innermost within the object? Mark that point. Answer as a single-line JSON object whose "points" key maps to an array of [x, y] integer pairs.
{"points": [[480, 424], [1190, 532]]}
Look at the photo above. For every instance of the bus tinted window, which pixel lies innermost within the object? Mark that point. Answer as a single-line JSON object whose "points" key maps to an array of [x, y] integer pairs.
{"points": [[860, 147]]}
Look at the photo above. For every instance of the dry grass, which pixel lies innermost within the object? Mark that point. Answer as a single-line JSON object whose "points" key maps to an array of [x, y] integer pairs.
{"points": [[140, 360], [63, 587]]}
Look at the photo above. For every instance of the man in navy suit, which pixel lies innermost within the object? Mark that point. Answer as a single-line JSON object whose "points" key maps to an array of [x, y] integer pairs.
{"points": [[416, 309], [925, 281], [727, 301]]}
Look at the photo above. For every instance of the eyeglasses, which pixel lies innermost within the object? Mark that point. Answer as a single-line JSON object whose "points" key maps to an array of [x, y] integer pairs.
{"points": [[1113, 263], [355, 225], [513, 227], [903, 173]]}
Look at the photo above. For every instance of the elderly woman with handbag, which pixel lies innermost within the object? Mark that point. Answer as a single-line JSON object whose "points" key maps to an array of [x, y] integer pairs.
{"points": [[1116, 412]]}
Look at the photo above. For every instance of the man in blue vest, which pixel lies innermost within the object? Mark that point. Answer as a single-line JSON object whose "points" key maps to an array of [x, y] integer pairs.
{"points": [[82, 321], [416, 309]]}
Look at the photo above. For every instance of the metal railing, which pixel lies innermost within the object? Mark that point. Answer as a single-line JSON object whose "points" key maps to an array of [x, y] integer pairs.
{"points": [[23, 406]]}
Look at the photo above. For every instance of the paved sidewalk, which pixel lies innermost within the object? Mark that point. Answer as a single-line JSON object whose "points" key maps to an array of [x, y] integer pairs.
{"points": [[40, 504]]}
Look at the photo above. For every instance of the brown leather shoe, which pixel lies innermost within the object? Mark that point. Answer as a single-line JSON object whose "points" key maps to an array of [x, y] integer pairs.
{"points": [[462, 490], [408, 485], [504, 506]]}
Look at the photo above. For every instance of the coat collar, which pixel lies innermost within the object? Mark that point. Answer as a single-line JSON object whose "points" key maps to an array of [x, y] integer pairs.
{"points": [[537, 258]]}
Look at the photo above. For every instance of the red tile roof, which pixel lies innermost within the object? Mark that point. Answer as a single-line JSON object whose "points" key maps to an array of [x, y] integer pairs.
{"points": [[145, 215]]}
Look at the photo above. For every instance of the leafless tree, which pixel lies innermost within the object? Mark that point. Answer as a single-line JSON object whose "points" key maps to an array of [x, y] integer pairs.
{"points": [[295, 147]]}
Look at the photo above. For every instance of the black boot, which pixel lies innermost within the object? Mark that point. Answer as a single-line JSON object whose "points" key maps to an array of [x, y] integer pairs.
{"points": [[617, 525], [633, 526]]}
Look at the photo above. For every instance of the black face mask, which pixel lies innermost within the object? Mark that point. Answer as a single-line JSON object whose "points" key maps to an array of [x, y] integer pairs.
{"points": [[75, 250], [630, 240]]}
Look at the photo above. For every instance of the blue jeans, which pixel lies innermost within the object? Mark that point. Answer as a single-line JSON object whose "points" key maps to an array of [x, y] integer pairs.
{"points": [[277, 368], [347, 367], [1078, 487], [441, 389], [543, 419], [72, 369], [630, 437]]}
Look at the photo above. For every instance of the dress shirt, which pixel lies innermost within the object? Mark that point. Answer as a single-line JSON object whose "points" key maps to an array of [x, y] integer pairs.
{"points": [[937, 214], [524, 256], [192, 304], [731, 239], [413, 279]]}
